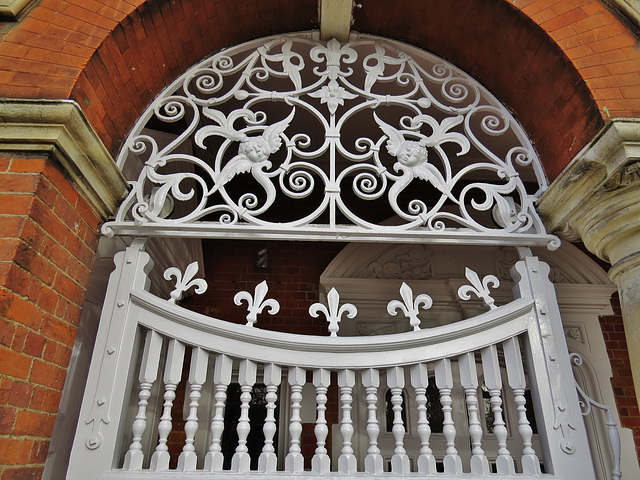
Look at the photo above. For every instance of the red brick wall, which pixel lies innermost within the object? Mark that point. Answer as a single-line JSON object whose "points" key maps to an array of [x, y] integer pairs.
{"points": [[47, 246], [621, 380], [293, 272], [545, 58]]}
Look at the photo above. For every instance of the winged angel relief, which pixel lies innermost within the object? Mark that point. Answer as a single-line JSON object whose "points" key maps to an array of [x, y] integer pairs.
{"points": [[253, 152], [413, 157]]}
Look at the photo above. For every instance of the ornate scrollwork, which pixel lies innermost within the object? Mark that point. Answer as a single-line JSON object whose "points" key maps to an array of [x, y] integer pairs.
{"points": [[352, 133]]}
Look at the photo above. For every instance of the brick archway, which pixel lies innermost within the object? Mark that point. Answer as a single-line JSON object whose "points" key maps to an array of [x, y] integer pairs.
{"points": [[569, 62]]}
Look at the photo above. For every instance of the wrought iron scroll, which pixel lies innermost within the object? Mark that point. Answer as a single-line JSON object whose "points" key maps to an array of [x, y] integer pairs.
{"points": [[587, 403], [353, 133]]}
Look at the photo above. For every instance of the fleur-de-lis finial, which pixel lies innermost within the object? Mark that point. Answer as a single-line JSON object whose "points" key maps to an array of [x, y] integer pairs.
{"points": [[333, 313], [184, 283], [411, 306], [479, 288], [257, 302]]}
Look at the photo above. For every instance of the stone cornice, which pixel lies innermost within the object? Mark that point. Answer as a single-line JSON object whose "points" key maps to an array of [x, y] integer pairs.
{"points": [[59, 128], [597, 197], [11, 9]]}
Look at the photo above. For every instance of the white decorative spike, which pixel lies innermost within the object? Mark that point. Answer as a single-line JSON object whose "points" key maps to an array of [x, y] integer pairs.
{"points": [[373, 462], [197, 376], [411, 306], [172, 376], [268, 459], [321, 463], [148, 374], [214, 459], [347, 462], [241, 461], [400, 460], [257, 302], [444, 382], [294, 462], [184, 283], [469, 381], [518, 383], [333, 312], [478, 287], [420, 382], [493, 381]]}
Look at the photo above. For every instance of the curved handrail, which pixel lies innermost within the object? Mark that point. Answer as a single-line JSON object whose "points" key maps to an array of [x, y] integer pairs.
{"points": [[310, 351]]}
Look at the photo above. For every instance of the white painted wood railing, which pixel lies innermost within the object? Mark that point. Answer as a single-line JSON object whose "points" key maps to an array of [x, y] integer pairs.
{"points": [[141, 353]]}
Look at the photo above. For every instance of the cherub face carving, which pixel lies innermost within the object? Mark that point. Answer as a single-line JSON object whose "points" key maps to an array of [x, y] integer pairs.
{"points": [[411, 153], [255, 149]]}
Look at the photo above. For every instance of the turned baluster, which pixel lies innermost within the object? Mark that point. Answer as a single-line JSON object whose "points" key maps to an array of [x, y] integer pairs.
{"points": [[420, 382], [172, 376], [347, 462], [469, 381], [197, 376], [493, 381], [395, 382], [444, 382], [294, 461], [214, 459], [321, 463], [241, 461], [373, 462], [268, 460], [517, 381], [147, 376]]}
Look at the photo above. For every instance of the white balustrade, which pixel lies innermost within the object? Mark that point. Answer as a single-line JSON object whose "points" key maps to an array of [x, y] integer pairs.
{"points": [[518, 383], [268, 459], [420, 382], [221, 377], [373, 462], [222, 353], [172, 376], [148, 374], [321, 462], [469, 381], [197, 376], [395, 381], [444, 382], [241, 461], [347, 462], [294, 461], [493, 381]]}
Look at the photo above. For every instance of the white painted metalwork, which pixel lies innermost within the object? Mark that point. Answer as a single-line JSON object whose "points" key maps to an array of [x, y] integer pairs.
{"points": [[587, 403], [184, 283], [410, 306], [109, 439], [478, 287], [257, 302], [295, 138], [333, 311]]}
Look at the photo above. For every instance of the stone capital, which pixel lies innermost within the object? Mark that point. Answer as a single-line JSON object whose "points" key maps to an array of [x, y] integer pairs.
{"points": [[59, 129], [597, 197]]}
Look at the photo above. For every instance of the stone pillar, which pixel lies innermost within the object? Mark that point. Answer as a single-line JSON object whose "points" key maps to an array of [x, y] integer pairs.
{"points": [[597, 199], [57, 183]]}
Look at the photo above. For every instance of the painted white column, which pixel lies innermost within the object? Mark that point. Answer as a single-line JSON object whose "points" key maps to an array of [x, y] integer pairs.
{"points": [[597, 199]]}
